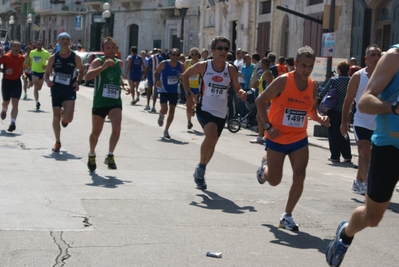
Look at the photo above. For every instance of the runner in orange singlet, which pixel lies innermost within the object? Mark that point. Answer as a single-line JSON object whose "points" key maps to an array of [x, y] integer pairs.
{"points": [[293, 98]]}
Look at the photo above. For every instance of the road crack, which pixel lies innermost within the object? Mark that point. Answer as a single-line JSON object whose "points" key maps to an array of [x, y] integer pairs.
{"points": [[63, 248]]}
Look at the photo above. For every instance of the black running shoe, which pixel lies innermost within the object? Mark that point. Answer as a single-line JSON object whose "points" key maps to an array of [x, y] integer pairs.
{"points": [[64, 124], [57, 147], [37, 105], [91, 164], [12, 127], [109, 160]]}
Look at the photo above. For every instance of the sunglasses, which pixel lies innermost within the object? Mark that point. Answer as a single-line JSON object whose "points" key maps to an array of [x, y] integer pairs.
{"points": [[175, 55], [194, 55], [220, 48]]}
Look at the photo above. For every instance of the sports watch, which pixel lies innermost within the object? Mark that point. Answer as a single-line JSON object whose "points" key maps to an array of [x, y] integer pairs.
{"points": [[267, 126]]}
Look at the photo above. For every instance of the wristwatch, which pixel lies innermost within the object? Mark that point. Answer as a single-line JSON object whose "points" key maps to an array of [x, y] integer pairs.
{"points": [[267, 126], [188, 93], [394, 106]]}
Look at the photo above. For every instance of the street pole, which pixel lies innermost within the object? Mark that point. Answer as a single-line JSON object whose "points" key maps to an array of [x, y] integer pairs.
{"points": [[330, 29], [182, 14]]}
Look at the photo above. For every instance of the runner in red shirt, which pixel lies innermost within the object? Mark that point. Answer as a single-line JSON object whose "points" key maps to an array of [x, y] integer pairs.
{"points": [[11, 87]]}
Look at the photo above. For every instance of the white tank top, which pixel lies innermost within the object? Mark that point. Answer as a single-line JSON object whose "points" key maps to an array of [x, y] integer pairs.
{"points": [[361, 119], [214, 90]]}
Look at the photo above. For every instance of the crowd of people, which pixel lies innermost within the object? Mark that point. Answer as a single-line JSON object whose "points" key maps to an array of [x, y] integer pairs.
{"points": [[215, 84]]}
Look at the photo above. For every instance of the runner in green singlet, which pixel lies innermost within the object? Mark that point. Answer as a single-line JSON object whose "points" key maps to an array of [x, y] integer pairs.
{"points": [[106, 72]]}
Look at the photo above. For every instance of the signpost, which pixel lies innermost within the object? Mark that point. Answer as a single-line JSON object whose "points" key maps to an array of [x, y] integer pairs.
{"points": [[328, 44]]}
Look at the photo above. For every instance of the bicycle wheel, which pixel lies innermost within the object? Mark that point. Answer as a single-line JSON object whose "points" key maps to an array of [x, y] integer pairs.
{"points": [[234, 125]]}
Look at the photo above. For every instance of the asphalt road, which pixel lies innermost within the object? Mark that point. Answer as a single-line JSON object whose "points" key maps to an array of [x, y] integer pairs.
{"points": [[54, 212]]}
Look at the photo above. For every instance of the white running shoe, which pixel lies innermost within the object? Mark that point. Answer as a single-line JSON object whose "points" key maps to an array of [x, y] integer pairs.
{"points": [[260, 172], [286, 222]]}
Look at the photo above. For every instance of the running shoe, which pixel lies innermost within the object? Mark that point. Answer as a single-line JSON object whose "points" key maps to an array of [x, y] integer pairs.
{"points": [[166, 134], [25, 96], [63, 123], [147, 108], [337, 248], [91, 164], [12, 127], [3, 114], [189, 125], [260, 172], [37, 105], [160, 120], [258, 140], [153, 110], [136, 100], [57, 147], [286, 222], [333, 160], [109, 160], [358, 187], [199, 178]]}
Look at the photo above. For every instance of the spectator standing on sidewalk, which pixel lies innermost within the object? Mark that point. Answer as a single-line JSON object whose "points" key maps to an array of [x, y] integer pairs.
{"points": [[293, 98], [11, 86], [338, 143], [364, 124], [381, 98]]}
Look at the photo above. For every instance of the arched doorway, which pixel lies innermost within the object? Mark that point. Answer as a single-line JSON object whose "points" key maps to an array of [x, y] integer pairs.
{"points": [[133, 35], [383, 25]]}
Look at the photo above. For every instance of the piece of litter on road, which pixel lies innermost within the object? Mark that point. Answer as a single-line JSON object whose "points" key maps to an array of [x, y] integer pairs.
{"points": [[214, 254]]}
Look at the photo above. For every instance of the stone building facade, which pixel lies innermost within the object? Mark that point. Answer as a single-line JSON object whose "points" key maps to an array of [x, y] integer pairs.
{"points": [[253, 25]]}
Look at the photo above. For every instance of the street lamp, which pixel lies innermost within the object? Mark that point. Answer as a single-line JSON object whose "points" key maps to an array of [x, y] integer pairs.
{"points": [[106, 15], [182, 6], [29, 21], [11, 22]]}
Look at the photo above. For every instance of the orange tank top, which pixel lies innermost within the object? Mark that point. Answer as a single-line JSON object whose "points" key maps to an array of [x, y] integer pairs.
{"points": [[288, 112]]}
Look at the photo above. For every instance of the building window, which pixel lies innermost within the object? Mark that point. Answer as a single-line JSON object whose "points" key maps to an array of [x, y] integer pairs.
{"points": [[265, 7], [315, 2]]}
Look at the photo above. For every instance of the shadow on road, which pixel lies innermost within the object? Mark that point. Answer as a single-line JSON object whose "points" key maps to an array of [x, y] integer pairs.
{"points": [[62, 156], [298, 239], [8, 134], [105, 181], [173, 141], [394, 207], [195, 132], [213, 201]]}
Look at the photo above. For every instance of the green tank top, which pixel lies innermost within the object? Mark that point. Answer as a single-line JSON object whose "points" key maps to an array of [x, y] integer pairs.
{"points": [[107, 87]]}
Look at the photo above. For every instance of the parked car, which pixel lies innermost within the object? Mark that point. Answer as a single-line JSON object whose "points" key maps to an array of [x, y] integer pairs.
{"points": [[92, 55]]}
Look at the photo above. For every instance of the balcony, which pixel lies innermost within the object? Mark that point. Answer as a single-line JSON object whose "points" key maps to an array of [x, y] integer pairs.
{"points": [[96, 5], [16, 4]]}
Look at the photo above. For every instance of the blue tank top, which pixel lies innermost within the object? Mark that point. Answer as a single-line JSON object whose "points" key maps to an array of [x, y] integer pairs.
{"points": [[65, 71], [387, 125], [135, 65], [170, 78]]}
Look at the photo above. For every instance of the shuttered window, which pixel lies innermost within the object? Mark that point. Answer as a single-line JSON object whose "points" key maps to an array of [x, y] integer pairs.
{"points": [[265, 7]]}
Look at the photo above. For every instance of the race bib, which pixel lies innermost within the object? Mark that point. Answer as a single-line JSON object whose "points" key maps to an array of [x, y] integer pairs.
{"points": [[62, 78], [216, 91], [111, 91], [173, 80], [37, 59], [294, 118], [193, 78]]}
